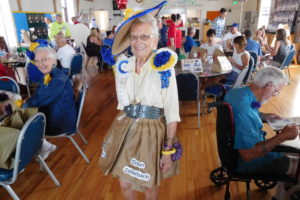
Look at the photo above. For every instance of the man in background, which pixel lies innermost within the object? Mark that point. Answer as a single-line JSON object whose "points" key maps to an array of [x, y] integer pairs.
{"points": [[228, 37], [65, 52], [219, 22], [252, 45], [59, 27]]}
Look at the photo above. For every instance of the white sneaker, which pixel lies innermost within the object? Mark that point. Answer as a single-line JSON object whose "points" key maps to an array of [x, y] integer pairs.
{"points": [[45, 154]]}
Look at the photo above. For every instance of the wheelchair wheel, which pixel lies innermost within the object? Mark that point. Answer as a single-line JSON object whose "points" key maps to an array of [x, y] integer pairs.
{"points": [[219, 176], [227, 196], [265, 185]]}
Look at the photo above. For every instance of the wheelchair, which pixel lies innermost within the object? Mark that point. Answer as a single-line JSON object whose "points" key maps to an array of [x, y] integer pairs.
{"points": [[223, 175]]}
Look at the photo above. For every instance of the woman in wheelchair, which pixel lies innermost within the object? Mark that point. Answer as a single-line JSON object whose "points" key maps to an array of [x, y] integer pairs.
{"points": [[255, 154], [54, 97]]}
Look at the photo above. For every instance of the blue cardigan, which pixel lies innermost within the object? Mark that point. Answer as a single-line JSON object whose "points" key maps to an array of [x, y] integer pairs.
{"points": [[56, 100]]}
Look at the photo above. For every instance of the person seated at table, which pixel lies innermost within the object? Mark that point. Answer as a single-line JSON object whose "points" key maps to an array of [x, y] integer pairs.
{"points": [[211, 44], [54, 97], [239, 60], [260, 36], [6, 71], [65, 52], [254, 149], [281, 49], [228, 37], [189, 40], [252, 45], [93, 45]]}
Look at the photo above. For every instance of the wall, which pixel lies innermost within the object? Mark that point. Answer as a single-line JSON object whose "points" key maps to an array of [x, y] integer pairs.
{"points": [[36, 5], [172, 7], [105, 5]]}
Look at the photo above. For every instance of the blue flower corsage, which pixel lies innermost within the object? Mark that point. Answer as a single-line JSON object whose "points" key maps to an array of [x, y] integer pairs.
{"points": [[163, 61], [255, 104]]}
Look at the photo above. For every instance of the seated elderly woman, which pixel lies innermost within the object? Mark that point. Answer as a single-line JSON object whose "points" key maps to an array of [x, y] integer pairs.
{"points": [[54, 97], [141, 147]]}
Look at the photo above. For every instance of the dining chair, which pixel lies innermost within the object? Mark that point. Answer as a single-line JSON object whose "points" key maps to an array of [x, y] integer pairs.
{"points": [[188, 89], [221, 89], [76, 67], [79, 105], [287, 61], [34, 76], [88, 57], [9, 84], [255, 57], [249, 72], [29, 145]]}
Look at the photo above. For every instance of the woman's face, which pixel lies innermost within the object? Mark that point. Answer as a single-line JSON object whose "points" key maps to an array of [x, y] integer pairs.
{"points": [[236, 46], [142, 40], [259, 33], [43, 62], [211, 38]]}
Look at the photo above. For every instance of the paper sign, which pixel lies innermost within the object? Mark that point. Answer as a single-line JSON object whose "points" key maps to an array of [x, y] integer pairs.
{"points": [[193, 65]]}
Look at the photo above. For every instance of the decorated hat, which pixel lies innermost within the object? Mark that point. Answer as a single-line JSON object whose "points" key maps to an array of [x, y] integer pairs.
{"points": [[33, 46], [121, 40]]}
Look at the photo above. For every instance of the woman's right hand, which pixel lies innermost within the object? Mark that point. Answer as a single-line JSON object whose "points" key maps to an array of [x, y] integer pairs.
{"points": [[165, 163], [290, 132]]}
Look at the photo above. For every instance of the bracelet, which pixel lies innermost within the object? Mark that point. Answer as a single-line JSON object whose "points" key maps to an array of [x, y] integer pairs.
{"points": [[170, 146], [167, 153]]}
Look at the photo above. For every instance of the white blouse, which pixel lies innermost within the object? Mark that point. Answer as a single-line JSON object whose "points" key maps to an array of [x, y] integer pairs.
{"points": [[145, 88], [211, 49], [237, 57]]}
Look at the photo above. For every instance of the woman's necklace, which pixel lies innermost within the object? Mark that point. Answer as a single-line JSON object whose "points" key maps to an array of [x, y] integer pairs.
{"points": [[137, 89]]}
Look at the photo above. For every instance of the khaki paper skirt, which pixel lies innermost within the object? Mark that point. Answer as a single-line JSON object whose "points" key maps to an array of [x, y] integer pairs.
{"points": [[132, 151]]}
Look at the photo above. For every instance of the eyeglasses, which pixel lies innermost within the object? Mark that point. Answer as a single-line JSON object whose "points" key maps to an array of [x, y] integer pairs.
{"points": [[43, 60], [141, 37], [276, 92]]}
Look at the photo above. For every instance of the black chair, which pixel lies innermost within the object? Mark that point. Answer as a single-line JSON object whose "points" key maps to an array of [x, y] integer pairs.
{"points": [[225, 130], [188, 89], [249, 72], [254, 56]]}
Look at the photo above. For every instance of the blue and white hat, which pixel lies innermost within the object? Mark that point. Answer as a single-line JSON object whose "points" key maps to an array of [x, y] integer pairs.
{"points": [[121, 41]]}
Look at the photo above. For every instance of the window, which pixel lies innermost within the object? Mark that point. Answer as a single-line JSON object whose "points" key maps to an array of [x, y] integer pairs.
{"points": [[7, 25], [264, 13]]}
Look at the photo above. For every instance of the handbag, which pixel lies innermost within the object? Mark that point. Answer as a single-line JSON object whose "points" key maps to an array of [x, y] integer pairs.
{"points": [[221, 65], [10, 129]]}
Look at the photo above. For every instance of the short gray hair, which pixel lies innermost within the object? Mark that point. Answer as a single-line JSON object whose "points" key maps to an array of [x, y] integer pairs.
{"points": [[148, 19], [271, 75], [191, 30], [51, 52]]}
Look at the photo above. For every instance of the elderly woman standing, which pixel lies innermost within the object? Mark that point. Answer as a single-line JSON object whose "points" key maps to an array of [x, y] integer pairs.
{"points": [[54, 97], [141, 146]]}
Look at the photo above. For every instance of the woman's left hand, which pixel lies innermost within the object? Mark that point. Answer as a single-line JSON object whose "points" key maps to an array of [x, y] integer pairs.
{"points": [[165, 163]]}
